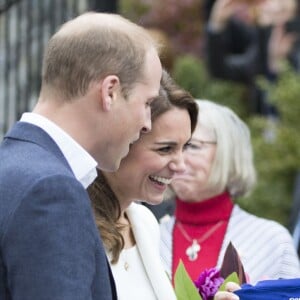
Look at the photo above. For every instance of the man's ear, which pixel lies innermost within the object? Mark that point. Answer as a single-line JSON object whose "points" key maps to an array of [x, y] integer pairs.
{"points": [[109, 88]]}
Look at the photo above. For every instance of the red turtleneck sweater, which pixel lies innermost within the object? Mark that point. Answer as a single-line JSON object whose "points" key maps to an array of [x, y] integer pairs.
{"points": [[197, 219]]}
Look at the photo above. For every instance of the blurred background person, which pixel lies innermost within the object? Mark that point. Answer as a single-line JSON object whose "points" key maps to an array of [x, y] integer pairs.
{"points": [[129, 231], [219, 168], [247, 38]]}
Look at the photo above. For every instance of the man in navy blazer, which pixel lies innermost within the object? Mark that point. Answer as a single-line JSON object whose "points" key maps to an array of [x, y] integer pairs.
{"points": [[99, 75]]}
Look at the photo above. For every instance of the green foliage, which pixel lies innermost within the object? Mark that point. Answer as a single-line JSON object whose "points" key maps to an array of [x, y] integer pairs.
{"points": [[191, 73], [180, 20], [184, 286], [233, 277], [185, 289], [133, 9], [276, 146]]}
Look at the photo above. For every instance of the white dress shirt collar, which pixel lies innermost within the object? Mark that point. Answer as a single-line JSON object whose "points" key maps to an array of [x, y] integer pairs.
{"points": [[81, 162]]}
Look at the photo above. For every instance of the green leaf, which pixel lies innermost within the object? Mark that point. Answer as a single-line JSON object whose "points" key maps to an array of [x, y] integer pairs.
{"points": [[184, 286], [233, 277]]}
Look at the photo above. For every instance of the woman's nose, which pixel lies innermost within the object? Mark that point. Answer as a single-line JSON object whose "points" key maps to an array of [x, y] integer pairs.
{"points": [[178, 164]]}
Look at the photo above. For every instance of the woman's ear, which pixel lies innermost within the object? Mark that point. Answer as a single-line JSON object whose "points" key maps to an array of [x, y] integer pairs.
{"points": [[109, 88]]}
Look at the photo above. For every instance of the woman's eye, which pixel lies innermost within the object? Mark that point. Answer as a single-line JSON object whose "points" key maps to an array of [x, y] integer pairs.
{"points": [[165, 149], [192, 146]]}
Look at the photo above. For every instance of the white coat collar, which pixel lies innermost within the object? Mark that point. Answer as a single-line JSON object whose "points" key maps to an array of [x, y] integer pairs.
{"points": [[146, 232]]}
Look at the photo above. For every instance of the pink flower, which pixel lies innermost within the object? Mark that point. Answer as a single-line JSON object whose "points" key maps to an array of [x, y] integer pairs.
{"points": [[208, 283]]}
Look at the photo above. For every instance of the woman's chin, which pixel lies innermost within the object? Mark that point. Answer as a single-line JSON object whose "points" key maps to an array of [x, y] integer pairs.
{"points": [[154, 201]]}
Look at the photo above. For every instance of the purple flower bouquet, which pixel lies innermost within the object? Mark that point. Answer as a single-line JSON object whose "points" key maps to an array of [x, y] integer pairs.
{"points": [[210, 281]]}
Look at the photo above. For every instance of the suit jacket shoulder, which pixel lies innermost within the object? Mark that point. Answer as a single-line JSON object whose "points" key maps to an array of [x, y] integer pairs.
{"points": [[49, 244]]}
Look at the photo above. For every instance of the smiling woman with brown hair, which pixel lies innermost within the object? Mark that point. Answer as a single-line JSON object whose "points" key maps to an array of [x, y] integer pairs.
{"points": [[129, 230]]}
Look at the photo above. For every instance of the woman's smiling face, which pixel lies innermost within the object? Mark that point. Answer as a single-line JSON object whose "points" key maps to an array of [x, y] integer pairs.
{"points": [[153, 160]]}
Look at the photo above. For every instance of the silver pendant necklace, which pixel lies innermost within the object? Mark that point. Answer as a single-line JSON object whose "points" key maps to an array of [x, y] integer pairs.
{"points": [[193, 250]]}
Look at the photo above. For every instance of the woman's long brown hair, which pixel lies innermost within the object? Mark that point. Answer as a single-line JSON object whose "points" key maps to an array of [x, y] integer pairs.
{"points": [[104, 202]]}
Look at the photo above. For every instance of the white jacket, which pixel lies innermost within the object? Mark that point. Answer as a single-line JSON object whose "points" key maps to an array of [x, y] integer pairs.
{"points": [[147, 236]]}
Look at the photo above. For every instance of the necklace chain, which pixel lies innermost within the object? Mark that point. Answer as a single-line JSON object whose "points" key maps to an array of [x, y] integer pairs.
{"points": [[203, 237], [192, 250]]}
